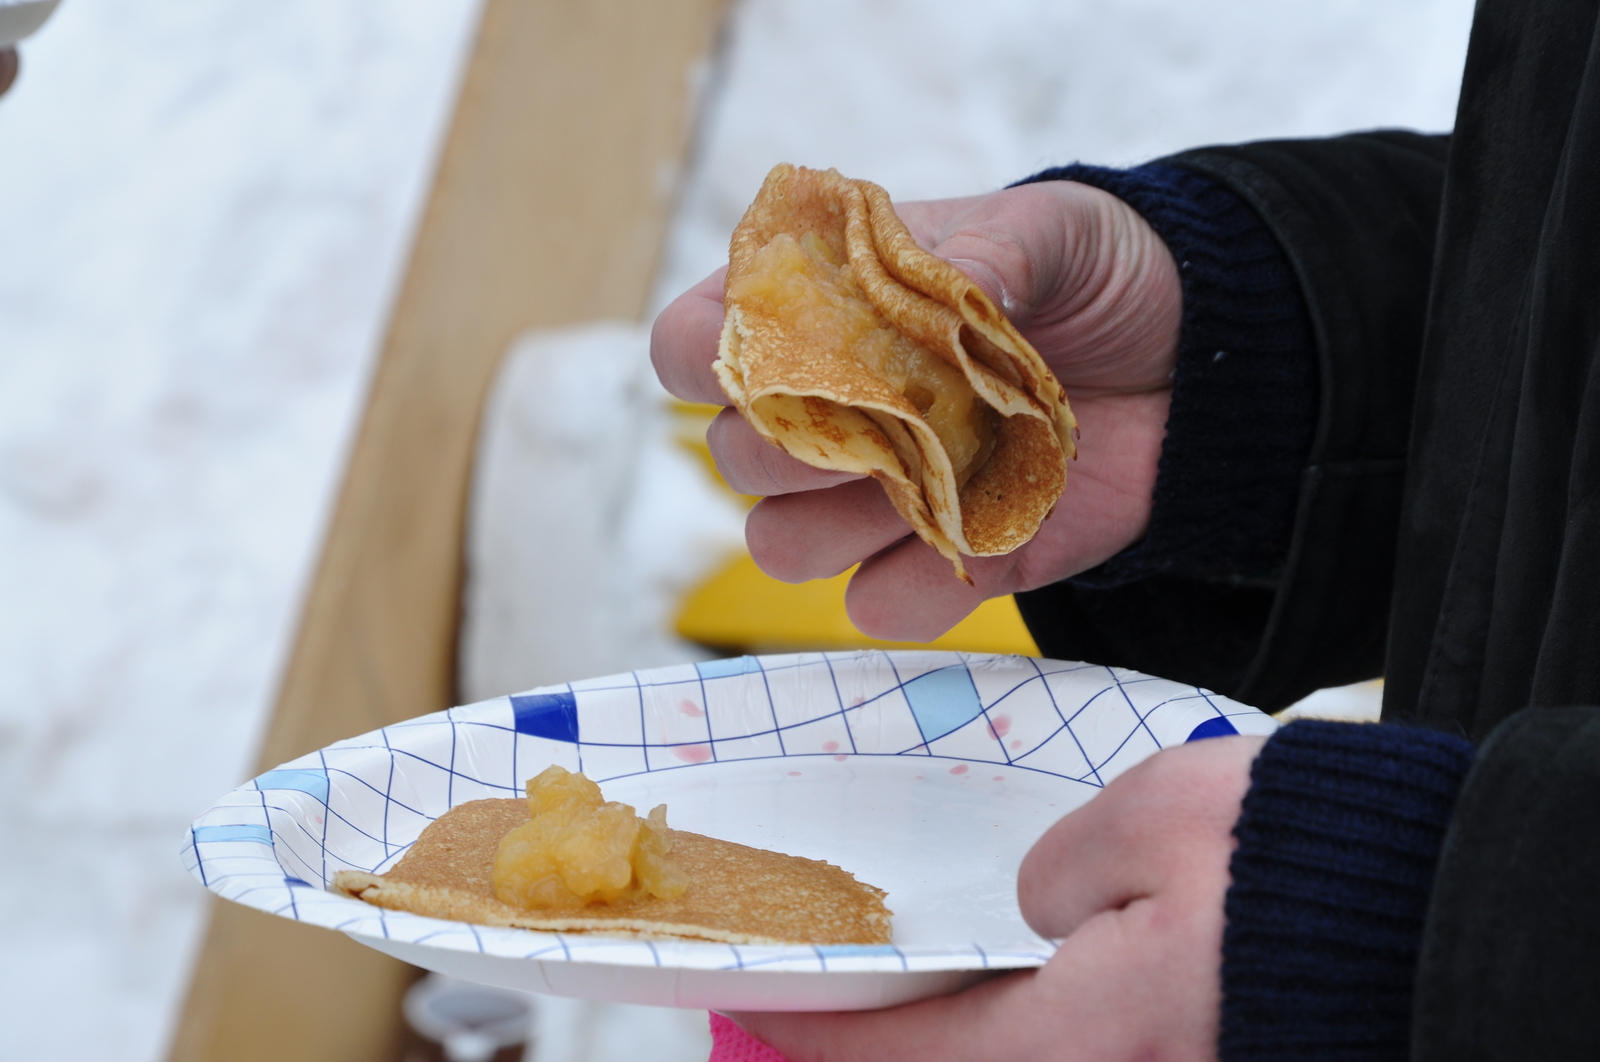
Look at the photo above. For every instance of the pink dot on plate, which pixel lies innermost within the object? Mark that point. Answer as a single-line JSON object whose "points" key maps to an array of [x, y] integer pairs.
{"points": [[691, 709], [840, 758], [794, 774], [999, 726], [1016, 744], [921, 779], [999, 777], [692, 753], [830, 746], [959, 768]]}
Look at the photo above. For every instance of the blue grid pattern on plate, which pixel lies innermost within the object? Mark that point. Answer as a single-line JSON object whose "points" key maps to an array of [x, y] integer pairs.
{"points": [[358, 804]]}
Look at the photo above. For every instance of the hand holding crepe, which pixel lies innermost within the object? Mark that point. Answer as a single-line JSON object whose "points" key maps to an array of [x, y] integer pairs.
{"points": [[854, 349], [1092, 287]]}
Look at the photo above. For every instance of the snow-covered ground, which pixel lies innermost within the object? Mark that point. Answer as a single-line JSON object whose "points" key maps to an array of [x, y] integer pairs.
{"points": [[203, 208], [938, 97], [203, 211]]}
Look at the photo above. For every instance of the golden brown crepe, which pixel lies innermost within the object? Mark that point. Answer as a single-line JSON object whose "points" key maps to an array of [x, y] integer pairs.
{"points": [[736, 895], [852, 348]]}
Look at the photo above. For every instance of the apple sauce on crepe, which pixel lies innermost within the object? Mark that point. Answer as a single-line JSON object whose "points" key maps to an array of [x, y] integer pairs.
{"points": [[567, 861], [852, 348]]}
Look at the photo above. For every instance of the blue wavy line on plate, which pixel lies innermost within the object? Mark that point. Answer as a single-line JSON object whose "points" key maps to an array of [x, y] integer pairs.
{"points": [[214, 834], [738, 665], [848, 950], [943, 701], [547, 715], [1217, 726], [310, 782]]}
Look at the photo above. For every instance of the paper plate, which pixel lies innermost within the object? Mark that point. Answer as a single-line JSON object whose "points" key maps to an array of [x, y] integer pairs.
{"points": [[926, 774]]}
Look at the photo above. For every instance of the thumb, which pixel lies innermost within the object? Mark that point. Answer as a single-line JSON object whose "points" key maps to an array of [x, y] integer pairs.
{"points": [[1165, 824], [1027, 246], [1083, 276]]}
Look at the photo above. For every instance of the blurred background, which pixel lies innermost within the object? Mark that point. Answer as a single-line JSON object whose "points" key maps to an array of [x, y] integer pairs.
{"points": [[205, 215]]}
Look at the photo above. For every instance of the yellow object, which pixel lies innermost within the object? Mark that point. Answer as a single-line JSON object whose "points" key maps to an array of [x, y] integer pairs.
{"points": [[690, 422], [743, 609]]}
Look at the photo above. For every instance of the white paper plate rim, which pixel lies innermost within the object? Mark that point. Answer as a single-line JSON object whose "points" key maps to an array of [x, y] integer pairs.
{"points": [[276, 842]]}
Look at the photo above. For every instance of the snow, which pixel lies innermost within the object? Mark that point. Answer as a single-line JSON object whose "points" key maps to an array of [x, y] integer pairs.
{"points": [[582, 496], [949, 98], [203, 213]]}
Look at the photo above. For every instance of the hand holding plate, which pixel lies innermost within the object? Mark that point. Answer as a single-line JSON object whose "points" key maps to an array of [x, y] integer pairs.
{"points": [[1134, 882]]}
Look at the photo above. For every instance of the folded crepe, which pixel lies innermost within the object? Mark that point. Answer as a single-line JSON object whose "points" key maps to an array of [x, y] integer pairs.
{"points": [[854, 349], [736, 895]]}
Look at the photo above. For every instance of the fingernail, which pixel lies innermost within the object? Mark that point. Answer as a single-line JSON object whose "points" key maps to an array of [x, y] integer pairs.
{"points": [[983, 275]]}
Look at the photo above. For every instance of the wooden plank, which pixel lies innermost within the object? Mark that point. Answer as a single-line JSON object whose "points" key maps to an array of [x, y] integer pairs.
{"points": [[548, 207]]}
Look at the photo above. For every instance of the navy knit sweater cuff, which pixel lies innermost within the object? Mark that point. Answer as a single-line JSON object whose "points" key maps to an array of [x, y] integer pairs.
{"points": [[1339, 837], [1244, 393]]}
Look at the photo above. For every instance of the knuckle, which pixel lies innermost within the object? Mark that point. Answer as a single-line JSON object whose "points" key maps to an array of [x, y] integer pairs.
{"points": [[744, 468], [773, 546]]}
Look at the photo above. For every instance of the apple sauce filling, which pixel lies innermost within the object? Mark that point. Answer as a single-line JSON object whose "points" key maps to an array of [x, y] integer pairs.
{"points": [[578, 848]]}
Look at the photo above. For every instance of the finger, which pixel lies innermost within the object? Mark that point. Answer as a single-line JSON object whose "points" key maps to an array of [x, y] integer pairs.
{"points": [[1163, 824], [683, 342], [820, 533], [1105, 507], [982, 1022], [930, 220], [1089, 862], [9, 64], [752, 465], [1142, 982], [1017, 245], [910, 593], [992, 238]]}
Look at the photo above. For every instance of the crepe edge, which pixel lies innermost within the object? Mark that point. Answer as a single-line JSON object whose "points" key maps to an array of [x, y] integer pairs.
{"points": [[882, 461], [457, 905]]}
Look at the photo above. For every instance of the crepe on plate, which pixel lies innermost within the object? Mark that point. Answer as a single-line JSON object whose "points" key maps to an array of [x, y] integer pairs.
{"points": [[735, 894], [854, 349]]}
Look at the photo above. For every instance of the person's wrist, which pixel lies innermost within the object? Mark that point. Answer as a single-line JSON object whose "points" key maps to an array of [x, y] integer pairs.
{"points": [[1078, 272], [1243, 405]]}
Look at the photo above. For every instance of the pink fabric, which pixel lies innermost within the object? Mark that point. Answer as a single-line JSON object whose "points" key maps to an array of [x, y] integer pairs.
{"points": [[729, 1043]]}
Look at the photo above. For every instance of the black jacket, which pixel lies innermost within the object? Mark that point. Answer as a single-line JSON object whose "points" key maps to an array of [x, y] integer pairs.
{"points": [[1454, 488]]}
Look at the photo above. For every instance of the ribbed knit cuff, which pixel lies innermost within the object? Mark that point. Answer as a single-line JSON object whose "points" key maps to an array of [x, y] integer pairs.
{"points": [[1339, 837], [1244, 394]]}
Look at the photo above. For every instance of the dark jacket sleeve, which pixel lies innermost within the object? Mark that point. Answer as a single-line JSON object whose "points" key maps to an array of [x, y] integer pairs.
{"points": [[1244, 388], [1395, 897], [1355, 216], [1338, 839], [1510, 960]]}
